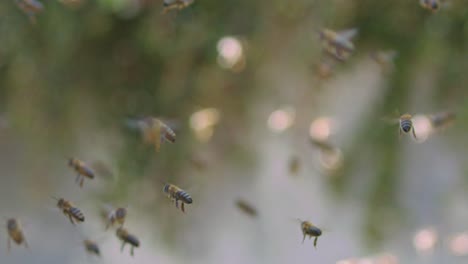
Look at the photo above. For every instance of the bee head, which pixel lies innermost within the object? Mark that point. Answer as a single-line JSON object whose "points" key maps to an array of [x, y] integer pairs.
{"points": [[12, 223], [166, 188]]}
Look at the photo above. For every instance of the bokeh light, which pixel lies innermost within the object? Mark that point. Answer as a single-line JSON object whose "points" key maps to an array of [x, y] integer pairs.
{"points": [[422, 127], [425, 240], [458, 244], [321, 128], [281, 119], [202, 123], [231, 54]]}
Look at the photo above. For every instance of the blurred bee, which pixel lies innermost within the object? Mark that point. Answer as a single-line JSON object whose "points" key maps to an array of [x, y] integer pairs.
{"points": [[15, 233], [31, 8], [82, 169], [247, 208], [324, 146], [325, 69], [294, 165], [126, 237], [308, 229], [338, 44], [155, 131], [169, 5], [433, 5], [70, 210], [384, 59], [442, 120], [175, 193], [92, 247], [406, 125], [116, 216]]}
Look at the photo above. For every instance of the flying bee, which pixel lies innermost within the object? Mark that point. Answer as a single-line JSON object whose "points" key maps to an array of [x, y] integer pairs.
{"points": [[155, 131], [406, 125], [325, 69], [294, 165], [384, 59], [82, 169], [126, 237], [338, 44], [31, 8], [15, 233], [116, 216], [441, 120], [91, 247], [433, 5], [169, 5], [309, 229], [70, 210], [246, 207], [175, 193]]}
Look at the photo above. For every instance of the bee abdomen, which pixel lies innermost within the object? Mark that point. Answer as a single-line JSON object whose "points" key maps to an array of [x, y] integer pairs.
{"points": [[406, 125], [314, 231], [184, 197], [77, 214], [132, 240]]}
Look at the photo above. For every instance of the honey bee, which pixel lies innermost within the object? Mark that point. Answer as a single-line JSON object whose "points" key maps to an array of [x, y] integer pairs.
{"points": [[116, 216], [169, 5], [91, 247], [325, 69], [82, 169], [15, 233], [246, 207], [70, 210], [433, 5], [156, 132], [308, 229], [384, 59], [338, 44], [31, 8], [126, 237], [406, 125], [175, 193], [442, 120], [294, 165]]}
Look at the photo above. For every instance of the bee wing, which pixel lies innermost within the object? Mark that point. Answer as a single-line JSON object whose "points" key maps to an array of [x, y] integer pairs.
{"points": [[348, 34]]}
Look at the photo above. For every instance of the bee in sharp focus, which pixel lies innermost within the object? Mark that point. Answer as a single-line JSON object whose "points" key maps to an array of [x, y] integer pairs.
{"points": [[91, 247], [308, 229], [15, 233], [116, 216], [82, 169], [338, 44], [31, 8], [246, 207], [126, 237], [70, 210], [442, 120], [433, 5], [176, 194], [169, 5]]}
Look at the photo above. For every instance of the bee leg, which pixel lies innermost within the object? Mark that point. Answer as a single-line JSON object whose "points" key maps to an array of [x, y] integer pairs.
{"points": [[414, 133], [315, 242], [9, 244], [71, 219], [122, 247], [182, 207], [177, 203], [399, 133], [131, 251], [26, 244], [303, 239], [81, 182]]}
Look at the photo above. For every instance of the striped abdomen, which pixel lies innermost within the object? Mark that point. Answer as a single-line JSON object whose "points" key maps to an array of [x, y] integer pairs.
{"points": [[406, 125], [76, 213], [313, 231], [132, 240], [184, 197], [167, 133], [85, 171]]}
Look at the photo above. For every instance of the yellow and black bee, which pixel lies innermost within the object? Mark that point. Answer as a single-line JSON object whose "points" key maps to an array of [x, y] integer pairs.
{"points": [[91, 247], [116, 216], [15, 233], [338, 44], [70, 210], [82, 169], [246, 207], [406, 125], [31, 8], [156, 132], [169, 5], [126, 237], [177, 194], [308, 229]]}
